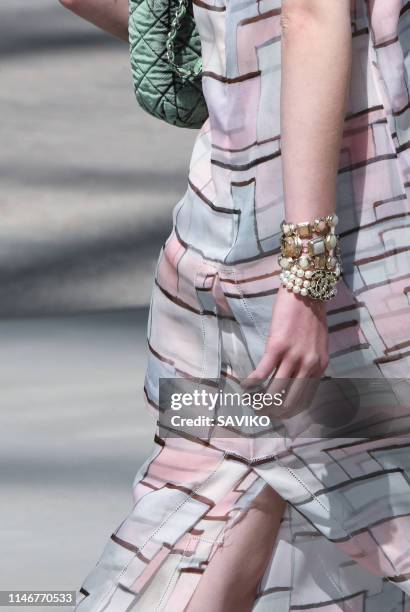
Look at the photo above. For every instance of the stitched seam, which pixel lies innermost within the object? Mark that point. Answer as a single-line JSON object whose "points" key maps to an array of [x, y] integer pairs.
{"points": [[171, 578], [203, 369], [296, 477], [332, 581], [245, 304], [188, 497], [316, 499], [203, 329], [207, 541], [164, 522]]}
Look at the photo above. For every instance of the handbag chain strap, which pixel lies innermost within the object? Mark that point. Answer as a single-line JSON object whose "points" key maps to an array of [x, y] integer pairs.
{"points": [[176, 22]]}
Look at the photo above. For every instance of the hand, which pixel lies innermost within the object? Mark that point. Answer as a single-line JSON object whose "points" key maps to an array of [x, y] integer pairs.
{"points": [[297, 345]]}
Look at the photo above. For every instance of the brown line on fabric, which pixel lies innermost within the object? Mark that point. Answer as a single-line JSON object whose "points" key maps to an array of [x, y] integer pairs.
{"points": [[404, 9], [353, 230], [246, 147], [251, 164], [401, 196], [381, 284], [356, 532], [234, 457], [343, 325], [239, 79], [361, 442], [177, 301], [159, 356], [247, 279], [209, 7], [196, 532], [367, 162], [273, 590], [323, 604], [241, 296], [201, 498], [195, 249], [390, 358], [346, 351], [365, 111], [243, 183], [364, 128], [122, 587], [158, 440], [399, 578], [222, 209], [361, 32], [148, 484], [385, 255], [260, 17], [397, 347], [349, 482], [403, 147], [346, 308], [128, 546], [386, 43]]}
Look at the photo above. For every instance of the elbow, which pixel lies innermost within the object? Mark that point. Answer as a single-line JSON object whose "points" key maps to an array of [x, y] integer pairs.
{"points": [[71, 5]]}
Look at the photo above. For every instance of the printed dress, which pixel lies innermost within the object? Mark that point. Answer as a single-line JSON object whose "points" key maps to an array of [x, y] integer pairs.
{"points": [[343, 543]]}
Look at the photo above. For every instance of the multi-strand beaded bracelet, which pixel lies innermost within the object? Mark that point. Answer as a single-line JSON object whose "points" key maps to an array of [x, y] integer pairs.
{"points": [[310, 257]]}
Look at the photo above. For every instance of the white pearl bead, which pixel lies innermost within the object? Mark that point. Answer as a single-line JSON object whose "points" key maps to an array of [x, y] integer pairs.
{"points": [[303, 291], [285, 264], [306, 283], [298, 281], [308, 273], [332, 241], [300, 273], [291, 277], [281, 276], [296, 289], [304, 262], [289, 286], [286, 273], [294, 269]]}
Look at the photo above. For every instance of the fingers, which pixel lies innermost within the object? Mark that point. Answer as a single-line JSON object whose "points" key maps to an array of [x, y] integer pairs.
{"points": [[305, 382], [310, 366], [282, 380], [265, 367]]}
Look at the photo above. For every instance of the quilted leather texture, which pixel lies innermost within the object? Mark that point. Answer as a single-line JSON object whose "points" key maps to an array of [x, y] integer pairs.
{"points": [[159, 90]]}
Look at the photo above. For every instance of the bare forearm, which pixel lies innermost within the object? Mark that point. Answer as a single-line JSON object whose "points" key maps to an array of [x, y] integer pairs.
{"points": [[109, 15], [316, 59]]}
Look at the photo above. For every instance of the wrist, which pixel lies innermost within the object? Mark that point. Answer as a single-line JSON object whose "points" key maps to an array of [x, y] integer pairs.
{"points": [[310, 258]]}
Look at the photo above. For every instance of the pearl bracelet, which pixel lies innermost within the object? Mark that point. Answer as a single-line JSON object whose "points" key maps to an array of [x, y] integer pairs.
{"points": [[310, 258]]}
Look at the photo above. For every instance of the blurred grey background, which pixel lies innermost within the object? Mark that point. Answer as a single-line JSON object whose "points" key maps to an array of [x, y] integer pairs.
{"points": [[87, 185]]}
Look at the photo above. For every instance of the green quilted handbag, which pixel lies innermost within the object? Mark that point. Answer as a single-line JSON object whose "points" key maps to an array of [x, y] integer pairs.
{"points": [[166, 61]]}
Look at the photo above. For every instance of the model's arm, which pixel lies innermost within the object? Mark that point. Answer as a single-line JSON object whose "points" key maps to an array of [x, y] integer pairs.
{"points": [[316, 48], [316, 59], [110, 15]]}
